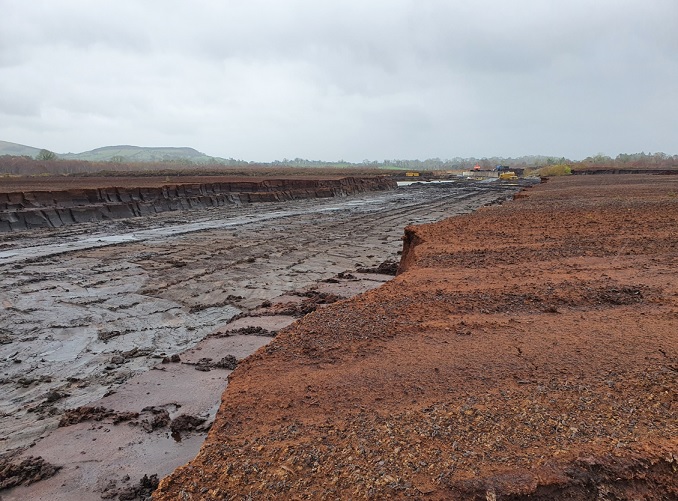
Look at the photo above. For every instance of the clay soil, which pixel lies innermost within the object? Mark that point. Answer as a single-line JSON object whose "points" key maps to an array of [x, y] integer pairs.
{"points": [[526, 351]]}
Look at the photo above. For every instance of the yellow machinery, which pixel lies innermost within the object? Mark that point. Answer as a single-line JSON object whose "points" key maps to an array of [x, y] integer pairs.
{"points": [[508, 176]]}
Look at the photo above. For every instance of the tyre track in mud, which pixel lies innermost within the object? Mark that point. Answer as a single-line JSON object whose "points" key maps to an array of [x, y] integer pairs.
{"points": [[365, 226], [392, 223]]}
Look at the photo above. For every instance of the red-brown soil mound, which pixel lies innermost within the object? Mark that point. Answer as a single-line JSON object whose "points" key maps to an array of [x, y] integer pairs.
{"points": [[527, 351]]}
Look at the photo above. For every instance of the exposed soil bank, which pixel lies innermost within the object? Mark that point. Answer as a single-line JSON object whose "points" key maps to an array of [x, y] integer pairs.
{"points": [[21, 210], [526, 351]]}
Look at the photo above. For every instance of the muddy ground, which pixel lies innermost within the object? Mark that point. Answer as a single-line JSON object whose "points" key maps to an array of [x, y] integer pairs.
{"points": [[526, 351], [87, 310]]}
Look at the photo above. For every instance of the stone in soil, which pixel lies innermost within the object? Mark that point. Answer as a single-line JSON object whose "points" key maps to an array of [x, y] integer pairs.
{"points": [[26, 471], [87, 413]]}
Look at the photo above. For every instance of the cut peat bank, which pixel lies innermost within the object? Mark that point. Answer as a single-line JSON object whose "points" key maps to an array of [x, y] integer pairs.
{"points": [[27, 203]]}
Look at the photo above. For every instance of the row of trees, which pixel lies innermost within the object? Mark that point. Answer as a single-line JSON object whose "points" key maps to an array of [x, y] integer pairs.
{"points": [[623, 160], [657, 160], [47, 163]]}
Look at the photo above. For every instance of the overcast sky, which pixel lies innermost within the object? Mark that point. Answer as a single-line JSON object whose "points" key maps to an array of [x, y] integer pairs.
{"points": [[351, 79]]}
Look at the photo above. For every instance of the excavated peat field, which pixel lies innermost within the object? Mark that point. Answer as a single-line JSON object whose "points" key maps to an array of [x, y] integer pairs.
{"points": [[35, 203], [87, 309], [526, 351]]}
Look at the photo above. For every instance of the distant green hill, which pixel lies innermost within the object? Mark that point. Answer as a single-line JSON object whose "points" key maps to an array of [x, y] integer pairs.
{"points": [[123, 153], [126, 153], [17, 150]]}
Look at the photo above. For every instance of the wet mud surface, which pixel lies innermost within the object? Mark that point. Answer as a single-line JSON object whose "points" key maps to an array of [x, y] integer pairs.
{"points": [[118, 337], [526, 351]]}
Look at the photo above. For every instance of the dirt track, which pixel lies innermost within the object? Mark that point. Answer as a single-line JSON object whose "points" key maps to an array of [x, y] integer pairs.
{"points": [[527, 351], [88, 309]]}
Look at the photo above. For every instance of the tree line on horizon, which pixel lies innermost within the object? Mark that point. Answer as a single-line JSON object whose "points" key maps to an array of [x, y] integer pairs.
{"points": [[48, 163]]}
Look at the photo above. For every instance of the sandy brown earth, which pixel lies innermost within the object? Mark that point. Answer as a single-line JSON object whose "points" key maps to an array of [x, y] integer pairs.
{"points": [[526, 351]]}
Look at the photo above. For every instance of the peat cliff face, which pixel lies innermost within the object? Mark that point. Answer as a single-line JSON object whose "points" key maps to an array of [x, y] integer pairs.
{"points": [[42, 209], [410, 241], [527, 352]]}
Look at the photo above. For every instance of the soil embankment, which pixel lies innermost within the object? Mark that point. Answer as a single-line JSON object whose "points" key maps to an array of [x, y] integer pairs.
{"points": [[21, 210], [528, 350]]}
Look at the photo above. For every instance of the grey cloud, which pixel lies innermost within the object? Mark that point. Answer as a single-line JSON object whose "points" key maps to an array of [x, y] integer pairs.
{"points": [[76, 24], [263, 79], [16, 105]]}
